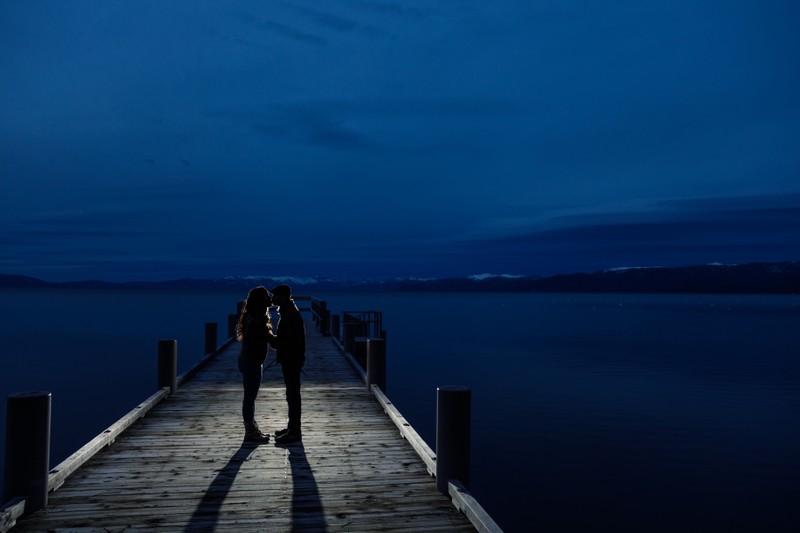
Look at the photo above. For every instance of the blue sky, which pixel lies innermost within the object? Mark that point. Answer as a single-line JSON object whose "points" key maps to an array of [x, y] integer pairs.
{"points": [[357, 138]]}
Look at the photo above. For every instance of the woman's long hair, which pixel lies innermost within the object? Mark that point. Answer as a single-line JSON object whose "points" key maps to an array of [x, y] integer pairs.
{"points": [[257, 303]]}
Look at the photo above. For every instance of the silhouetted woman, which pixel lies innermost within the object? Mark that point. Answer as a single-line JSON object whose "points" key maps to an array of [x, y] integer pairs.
{"points": [[255, 332]]}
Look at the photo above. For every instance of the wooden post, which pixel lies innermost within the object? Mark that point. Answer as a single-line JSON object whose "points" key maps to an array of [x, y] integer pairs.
{"points": [[349, 336], [323, 318], [335, 326], [211, 338], [376, 363], [27, 458], [323, 322], [233, 320], [359, 352], [168, 365], [453, 413]]}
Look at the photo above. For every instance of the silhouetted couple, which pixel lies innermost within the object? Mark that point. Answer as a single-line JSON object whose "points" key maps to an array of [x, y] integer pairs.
{"points": [[289, 341]]}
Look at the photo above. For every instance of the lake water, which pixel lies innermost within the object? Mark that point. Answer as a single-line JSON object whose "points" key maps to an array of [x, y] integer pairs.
{"points": [[590, 412]]}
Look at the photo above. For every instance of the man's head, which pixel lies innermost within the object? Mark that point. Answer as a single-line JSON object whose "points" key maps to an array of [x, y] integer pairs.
{"points": [[281, 295]]}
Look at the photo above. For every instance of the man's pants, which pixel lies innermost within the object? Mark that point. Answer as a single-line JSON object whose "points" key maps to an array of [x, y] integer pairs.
{"points": [[291, 378]]}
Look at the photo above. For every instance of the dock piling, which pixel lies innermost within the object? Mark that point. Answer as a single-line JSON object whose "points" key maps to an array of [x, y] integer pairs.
{"points": [[349, 336], [335, 326], [376, 363], [27, 457], [168, 364], [453, 435], [323, 322], [233, 320], [210, 338]]}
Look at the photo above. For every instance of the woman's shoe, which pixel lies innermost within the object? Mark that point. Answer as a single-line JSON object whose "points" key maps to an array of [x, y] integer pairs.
{"points": [[254, 434]]}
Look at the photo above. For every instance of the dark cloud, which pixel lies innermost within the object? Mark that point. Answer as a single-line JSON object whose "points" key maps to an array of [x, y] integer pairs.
{"points": [[391, 8], [277, 28], [49, 236], [310, 126], [337, 23], [693, 231], [332, 124]]}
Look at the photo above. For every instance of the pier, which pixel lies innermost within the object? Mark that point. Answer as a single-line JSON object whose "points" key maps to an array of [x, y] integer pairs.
{"points": [[177, 462]]}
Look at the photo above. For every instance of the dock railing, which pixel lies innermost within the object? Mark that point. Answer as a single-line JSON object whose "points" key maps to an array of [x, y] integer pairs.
{"points": [[450, 467]]}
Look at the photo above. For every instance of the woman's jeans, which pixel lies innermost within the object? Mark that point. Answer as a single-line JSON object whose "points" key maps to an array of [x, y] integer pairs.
{"points": [[251, 380]]}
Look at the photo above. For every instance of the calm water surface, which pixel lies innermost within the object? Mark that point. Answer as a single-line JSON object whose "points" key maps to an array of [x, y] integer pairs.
{"points": [[590, 412]]}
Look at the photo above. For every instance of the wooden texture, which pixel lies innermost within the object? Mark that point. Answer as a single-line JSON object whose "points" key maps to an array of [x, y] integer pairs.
{"points": [[87, 451], [184, 466], [10, 512], [467, 504], [426, 454]]}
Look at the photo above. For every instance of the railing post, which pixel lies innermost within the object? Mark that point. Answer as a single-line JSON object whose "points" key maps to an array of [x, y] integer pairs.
{"points": [[27, 458], [453, 413], [168, 365], [232, 321], [335, 325], [349, 336], [376, 363], [323, 318], [210, 337]]}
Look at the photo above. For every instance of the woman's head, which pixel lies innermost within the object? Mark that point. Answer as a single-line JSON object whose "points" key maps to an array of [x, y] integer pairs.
{"points": [[258, 300], [258, 303]]}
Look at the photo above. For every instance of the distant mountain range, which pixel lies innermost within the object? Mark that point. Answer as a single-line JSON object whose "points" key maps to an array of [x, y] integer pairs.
{"points": [[751, 278]]}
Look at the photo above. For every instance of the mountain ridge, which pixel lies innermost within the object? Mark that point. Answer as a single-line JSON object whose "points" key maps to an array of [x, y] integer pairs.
{"points": [[750, 278]]}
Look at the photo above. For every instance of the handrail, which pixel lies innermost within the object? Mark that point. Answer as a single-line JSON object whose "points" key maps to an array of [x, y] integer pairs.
{"points": [[369, 323]]}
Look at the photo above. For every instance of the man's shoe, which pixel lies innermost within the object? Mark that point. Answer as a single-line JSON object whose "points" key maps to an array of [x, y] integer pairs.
{"points": [[281, 432], [288, 438]]}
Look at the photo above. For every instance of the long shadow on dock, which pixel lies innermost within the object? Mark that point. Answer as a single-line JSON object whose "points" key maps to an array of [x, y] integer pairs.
{"points": [[307, 511], [206, 515]]}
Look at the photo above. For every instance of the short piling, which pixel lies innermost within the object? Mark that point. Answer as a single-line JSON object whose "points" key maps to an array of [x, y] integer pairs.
{"points": [[335, 326], [453, 435], [349, 336], [27, 457], [376, 363], [210, 338], [233, 320], [323, 322], [168, 365]]}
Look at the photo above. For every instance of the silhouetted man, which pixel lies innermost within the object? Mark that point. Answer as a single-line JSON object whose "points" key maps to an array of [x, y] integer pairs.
{"points": [[290, 349]]}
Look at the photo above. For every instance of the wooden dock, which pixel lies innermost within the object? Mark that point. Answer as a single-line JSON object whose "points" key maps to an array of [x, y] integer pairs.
{"points": [[184, 467]]}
